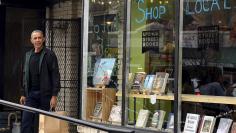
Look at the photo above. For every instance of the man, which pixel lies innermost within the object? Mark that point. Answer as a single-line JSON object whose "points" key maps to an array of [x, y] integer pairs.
{"points": [[41, 80]]}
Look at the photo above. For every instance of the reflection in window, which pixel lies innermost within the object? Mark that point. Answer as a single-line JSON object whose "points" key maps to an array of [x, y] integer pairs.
{"points": [[209, 51]]}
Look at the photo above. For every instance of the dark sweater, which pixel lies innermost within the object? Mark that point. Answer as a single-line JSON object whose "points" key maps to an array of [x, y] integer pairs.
{"points": [[34, 72]]}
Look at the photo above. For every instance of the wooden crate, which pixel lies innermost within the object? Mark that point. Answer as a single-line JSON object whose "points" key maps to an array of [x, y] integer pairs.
{"points": [[107, 96]]}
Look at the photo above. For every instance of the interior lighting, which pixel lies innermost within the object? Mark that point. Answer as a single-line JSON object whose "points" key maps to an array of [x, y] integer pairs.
{"points": [[108, 22]]}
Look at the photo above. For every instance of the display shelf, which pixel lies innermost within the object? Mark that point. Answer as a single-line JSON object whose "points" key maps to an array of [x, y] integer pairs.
{"points": [[104, 95], [190, 98], [208, 99], [161, 97]]}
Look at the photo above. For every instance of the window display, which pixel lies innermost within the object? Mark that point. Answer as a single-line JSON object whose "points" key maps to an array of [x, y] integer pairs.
{"points": [[208, 69], [151, 62], [104, 61], [206, 85]]}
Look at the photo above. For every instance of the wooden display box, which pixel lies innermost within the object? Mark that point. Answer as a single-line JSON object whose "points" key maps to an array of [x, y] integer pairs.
{"points": [[107, 96]]}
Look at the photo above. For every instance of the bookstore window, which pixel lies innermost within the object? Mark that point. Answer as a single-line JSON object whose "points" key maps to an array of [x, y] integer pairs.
{"points": [[104, 55], [151, 66], [209, 66]]}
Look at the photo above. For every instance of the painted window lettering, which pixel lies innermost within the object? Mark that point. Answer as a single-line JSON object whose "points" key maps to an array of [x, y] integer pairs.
{"points": [[155, 12], [205, 6]]}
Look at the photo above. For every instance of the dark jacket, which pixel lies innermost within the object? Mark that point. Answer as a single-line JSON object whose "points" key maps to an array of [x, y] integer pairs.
{"points": [[49, 73]]}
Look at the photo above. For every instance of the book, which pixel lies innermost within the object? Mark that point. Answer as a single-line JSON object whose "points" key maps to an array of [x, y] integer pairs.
{"points": [[103, 70], [138, 80], [142, 120], [207, 124], [130, 80], [148, 82], [224, 125], [233, 128], [115, 115], [158, 119], [170, 122], [97, 112], [191, 123], [160, 82]]}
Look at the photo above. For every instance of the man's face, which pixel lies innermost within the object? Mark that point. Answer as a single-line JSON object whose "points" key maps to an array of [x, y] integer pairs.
{"points": [[37, 39]]}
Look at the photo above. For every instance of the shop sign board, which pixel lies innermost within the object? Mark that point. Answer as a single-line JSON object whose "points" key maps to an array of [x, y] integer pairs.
{"points": [[208, 37], [150, 41]]}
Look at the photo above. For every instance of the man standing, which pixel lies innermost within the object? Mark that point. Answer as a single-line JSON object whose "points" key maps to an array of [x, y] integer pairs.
{"points": [[41, 80]]}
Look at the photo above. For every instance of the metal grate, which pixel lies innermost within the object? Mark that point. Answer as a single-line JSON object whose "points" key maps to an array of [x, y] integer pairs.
{"points": [[63, 37]]}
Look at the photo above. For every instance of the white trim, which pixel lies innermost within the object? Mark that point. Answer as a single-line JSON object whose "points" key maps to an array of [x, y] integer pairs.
{"points": [[85, 55]]}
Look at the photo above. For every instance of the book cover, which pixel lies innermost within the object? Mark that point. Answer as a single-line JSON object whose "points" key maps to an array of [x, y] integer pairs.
{"points": [[191, 123], [224, 125], [170, 122], [115, 115], [97, 112], [142, 120], [103, 71], [148, 82], [208, 123], [158, 119], [160, 82], [233, 128], [130, 80], [138, 80]]}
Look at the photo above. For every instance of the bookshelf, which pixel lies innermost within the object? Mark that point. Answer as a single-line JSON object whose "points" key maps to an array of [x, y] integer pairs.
{"points": [[189, 98], [161, 97], [107, 96]]}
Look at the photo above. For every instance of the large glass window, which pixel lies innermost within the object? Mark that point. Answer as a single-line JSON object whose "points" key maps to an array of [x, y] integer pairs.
{"points": [[208, 69], [151, 66], [104, 61]]}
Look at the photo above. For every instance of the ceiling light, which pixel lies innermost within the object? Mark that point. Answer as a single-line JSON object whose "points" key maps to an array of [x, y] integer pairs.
{"points": [[108, 22]]}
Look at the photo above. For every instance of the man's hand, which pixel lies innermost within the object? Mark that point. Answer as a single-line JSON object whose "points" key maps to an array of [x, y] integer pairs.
{"points": [[22, 100], [53, 102]]}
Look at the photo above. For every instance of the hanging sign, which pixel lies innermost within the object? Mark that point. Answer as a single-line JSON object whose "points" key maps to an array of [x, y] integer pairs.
{"points": [[208, 37], [150, 41]]}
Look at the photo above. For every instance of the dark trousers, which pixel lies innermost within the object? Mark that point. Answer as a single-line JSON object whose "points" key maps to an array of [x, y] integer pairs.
{"points": [[30, 120]]}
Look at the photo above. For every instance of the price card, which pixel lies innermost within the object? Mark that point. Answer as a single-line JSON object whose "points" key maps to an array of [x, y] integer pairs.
{"points": [[153, 98]]}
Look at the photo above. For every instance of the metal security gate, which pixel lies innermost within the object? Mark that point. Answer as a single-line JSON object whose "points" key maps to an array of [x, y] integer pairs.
{"points": [[64, 38]]}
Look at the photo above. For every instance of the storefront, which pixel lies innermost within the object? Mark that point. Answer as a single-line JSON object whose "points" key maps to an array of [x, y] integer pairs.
{"points": [[154, 65], [150, 63]]}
